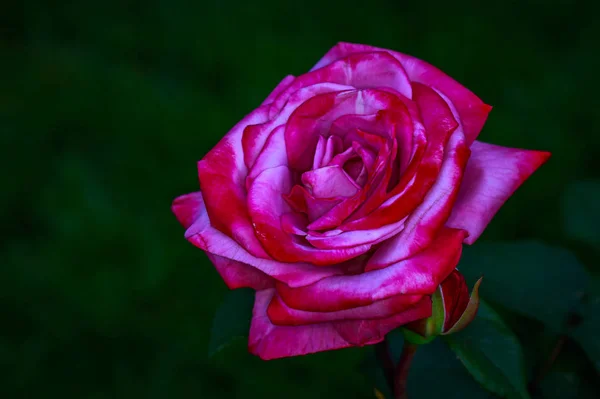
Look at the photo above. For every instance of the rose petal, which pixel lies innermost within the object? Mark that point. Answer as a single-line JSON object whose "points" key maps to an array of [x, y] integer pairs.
{"points": [[329, 181], [472, 110], [239, 275], [439, 124], [190, 210], [333, 146], [346, 239], [425, 221], [319, 153], [300, 200], [316, 115], [420, 274], [266, 205], [222, 173], [361, 71], [282, 315], [492, 175], [269, 341], [294, 223], [254, 135]]}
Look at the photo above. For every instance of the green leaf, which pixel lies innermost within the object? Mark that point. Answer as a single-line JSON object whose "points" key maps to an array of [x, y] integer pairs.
{"points": [[531, 278], [435, 372], [232, 319], [581, 212], [492, 354]]}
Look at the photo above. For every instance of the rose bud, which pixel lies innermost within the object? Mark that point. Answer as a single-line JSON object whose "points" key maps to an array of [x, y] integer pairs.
{"points": [[452, 310]]}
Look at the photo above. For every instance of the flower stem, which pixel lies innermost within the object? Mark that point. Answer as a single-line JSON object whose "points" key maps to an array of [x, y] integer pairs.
{"points": [[401, 373]]}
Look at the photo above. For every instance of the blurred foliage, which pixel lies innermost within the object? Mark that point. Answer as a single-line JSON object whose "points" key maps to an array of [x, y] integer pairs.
{"points": [[105, 106]]}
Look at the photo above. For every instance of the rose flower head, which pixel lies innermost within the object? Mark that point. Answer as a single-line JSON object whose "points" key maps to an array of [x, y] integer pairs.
{"points": [[344, 199]]}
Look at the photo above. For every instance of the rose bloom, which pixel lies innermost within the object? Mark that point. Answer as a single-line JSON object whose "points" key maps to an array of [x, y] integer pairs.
{"points": [[344, 199]]}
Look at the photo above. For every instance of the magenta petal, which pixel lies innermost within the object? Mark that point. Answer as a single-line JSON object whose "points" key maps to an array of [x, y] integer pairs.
{"points": [[334, 146], [266, 205], [319, 153], [420, 274], [492, 175], [425, 221], [329, 181], [272, 155], [282, 315], [222, 175], [409, 193], [200, 233], [269, 341], [345, 239], [255, 135], [361, 71], [473, 112], [316, 115], [239, 275], [294, 223]]}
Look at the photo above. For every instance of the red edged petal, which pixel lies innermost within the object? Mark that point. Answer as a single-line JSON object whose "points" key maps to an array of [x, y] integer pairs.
{"points": [[222, 175], [473, 112], [255, 135], [281, 314], [492, 175], [239, 275], [439, 124], [333, 239], [266, 205], [428, 217], [269, 341], [420, 274], [329, 181], [204, 236], [362, 71]]}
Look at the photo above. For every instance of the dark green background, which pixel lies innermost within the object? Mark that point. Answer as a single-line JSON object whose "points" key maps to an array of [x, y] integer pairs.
{"points": [[105, 107]]}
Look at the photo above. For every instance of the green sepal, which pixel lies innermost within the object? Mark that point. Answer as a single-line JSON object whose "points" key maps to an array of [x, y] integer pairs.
{"points": [[417, 339]]}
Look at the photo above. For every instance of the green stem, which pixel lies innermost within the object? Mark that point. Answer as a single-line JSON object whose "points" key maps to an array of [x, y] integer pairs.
{"points": [[401, 373]]}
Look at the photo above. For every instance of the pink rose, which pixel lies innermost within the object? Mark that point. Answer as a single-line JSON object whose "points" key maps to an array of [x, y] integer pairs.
{"points": [[345, 198]]}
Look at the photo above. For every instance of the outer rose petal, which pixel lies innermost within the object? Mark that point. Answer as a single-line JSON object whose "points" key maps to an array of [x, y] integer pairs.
{"points": [[420, 274], [492, 175], [238, 275], [361, 71], [472, 110], [269, 341], [281, 314], [222, 175], [191, 212]]}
